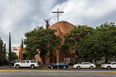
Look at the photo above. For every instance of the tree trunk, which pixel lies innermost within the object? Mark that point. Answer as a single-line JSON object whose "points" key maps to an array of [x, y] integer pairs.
{"points": [[76, 54]]}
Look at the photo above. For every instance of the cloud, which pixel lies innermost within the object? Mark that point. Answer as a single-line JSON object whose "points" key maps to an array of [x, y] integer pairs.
{"points": [[86, 11], [21, 16]]}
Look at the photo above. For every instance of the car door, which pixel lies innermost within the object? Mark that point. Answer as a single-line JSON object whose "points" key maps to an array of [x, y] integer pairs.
{"points": [[61, 65], [88, 65], [54, 65], [22, 63], [113, 65], [27, 63], [85, 65]]}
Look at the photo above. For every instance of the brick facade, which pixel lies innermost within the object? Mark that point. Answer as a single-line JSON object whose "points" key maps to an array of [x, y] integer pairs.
{"points": [[64, 27]]}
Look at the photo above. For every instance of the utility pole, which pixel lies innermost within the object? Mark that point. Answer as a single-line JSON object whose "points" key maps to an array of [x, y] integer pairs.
{"points": [[9, 47], [58, 32]]}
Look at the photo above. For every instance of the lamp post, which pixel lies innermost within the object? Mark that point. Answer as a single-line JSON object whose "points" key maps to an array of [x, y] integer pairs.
{"points": [[57, 33]]}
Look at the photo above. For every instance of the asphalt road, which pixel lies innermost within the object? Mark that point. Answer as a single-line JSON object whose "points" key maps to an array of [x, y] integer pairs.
{"points": [[46, 72], [70, 69], [56, 74]]}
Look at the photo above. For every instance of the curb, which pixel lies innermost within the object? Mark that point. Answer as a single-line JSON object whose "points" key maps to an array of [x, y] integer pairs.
{"points": [[55, 71]]}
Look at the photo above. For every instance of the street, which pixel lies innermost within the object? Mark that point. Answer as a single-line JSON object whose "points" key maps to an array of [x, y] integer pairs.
{"points": [[46, 72], [55, 74]]}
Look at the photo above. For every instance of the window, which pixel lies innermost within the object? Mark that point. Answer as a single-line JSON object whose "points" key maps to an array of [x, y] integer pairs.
{"points": [[57, 63], [27, 61], [86, 63], [61, 63], [33, 61], [23, 61], [114, 63]]}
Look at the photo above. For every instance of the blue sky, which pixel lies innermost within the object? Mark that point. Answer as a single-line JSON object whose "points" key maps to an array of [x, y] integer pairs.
{"points": [[21, 16]]}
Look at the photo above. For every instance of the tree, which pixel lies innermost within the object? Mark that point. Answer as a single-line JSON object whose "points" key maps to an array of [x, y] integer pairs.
{"points": [[9, 57], [73, 38], [43, 39], [102, 43], [22, 43], [2, 50], [13, 56]]}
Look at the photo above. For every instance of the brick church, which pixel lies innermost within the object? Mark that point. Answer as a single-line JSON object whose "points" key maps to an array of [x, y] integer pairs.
{"points": [[64, 56], [62, 28]]}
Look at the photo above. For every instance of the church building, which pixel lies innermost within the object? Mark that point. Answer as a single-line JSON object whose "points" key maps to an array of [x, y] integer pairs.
{"points": [[62, 28]]}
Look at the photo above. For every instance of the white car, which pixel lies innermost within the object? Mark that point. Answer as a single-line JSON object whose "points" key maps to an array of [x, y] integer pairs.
{"points": [[109, 66], [84, 65], [27, 63]]}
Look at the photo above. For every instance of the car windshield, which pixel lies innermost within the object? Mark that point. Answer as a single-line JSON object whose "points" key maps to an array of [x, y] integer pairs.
{"points": [[86, 63], [59, 64]]}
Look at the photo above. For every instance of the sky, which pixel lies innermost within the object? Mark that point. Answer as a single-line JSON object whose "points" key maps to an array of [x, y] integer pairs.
{"points": [[21, 16]]}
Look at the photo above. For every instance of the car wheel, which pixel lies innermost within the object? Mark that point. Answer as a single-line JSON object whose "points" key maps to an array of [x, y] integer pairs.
{"points": [[91, 67], [64, 67], [51, 67], [32, 66], [108, 67], [17, 66], [78, 67]]}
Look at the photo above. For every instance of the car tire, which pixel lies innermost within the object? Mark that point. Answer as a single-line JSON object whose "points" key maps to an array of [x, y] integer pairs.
{"points": [[17, 66], [78, 67], [91, 67], [108, 67], [32, 66], [64, 67], [51, 67]]}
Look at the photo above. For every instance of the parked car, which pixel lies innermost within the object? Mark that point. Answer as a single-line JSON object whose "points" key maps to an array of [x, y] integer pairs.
{"points": [[60, 65], [4, 63], [13, 62], [27, 63], [109, 66], [84, 65]]}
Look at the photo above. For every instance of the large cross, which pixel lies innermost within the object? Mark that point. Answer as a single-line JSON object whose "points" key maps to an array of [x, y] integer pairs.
{"points": [[58, 32], [57, 14]]}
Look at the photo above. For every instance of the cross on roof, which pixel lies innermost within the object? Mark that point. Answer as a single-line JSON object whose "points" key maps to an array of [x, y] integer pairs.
{"points": [[58, 13]]}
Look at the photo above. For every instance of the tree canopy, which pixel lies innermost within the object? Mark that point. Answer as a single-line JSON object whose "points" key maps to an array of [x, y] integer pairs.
{"points": [[102, 43], [13, 56], [43, 39], [72, 39], [2, 50]]}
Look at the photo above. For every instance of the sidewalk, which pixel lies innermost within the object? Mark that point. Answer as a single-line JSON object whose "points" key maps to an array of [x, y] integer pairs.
{"points": [[6, 67]]}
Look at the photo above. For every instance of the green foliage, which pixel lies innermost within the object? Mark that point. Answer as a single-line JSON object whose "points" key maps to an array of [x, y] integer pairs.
{"points": [[22, 43], [2, 50], [101, 43], [43, 39], [73, 38], [13, 56]]}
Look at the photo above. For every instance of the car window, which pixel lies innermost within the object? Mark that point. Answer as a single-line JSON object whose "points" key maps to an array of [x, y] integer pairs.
{"points": [[83, 63], [23, 61], [86, 63], [27, 61], [57, 63], [61, 63], [33, 61], [114, 63]]}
